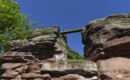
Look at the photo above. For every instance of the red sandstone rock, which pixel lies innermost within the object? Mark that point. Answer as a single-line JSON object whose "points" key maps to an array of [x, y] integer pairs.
{"points": [[114, 69], [38, 79], [10, 73], [17, 57], [42, 57], [107, 37], [71, 77], [18, 77], [36, 76], [20, 69], [12, 65], [34, 67], [42, 43], [104, 38]]}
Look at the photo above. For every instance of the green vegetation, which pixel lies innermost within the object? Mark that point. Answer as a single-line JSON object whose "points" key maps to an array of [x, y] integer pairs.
{"points": [[73, 55], [41, 27], [75, 60], [13, 24]]}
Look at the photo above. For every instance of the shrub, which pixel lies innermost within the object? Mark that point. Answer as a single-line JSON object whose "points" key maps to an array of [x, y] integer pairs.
{"points": [[74, 55]]}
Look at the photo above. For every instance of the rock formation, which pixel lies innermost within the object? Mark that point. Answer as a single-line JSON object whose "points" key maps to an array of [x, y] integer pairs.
{"points": [[41, 56], [107, 41], [42, 43], [108, 37]]}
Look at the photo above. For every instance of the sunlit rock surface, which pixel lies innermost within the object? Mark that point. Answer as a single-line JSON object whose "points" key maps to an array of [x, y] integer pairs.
{"points": [[107, 37], [117, 68], [107, 42], [86, 69]]}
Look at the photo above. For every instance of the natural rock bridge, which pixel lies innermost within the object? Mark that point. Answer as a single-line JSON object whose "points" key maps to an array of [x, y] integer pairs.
{"points": [[77, 29]]}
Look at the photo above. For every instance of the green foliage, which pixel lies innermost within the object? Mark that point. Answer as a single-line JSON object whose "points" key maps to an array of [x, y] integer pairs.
{"points": [[13, 23], [41, 27], [75, 60], [73, 55]]}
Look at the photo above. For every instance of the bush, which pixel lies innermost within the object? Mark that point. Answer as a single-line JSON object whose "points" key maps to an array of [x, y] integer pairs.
{"points": [[73, 55]]}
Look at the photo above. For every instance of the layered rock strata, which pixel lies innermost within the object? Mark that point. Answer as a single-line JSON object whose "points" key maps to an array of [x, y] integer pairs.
{"points": [[107, 41], [42, 43], [41, 56]]}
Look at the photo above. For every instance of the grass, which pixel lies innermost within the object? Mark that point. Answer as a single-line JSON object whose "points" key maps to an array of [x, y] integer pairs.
{"points": [[75, 60]]}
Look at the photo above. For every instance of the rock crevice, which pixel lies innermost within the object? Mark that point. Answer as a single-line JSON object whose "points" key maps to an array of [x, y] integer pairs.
{"points": [[42, 55]]}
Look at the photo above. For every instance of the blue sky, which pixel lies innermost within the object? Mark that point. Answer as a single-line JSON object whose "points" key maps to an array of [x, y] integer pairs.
{"points": [[71, 13]]}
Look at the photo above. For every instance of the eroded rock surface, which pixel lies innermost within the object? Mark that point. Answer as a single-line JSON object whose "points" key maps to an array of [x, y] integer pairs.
{"points": [[107, 37], [107, 42], [42, 57], [114, 69], [86, 69], [42, 43]]}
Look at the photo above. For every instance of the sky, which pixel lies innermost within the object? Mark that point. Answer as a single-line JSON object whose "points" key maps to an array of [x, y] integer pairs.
{"points": [[71, 13]]}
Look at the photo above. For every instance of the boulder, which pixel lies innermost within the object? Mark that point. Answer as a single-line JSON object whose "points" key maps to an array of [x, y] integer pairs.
{"points": [[108, 37]]}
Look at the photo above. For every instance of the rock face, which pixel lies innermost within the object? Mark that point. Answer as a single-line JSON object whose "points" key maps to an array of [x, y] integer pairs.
{"points": [[107, 41], [41, 56], [114, 69], [107, 37], [87, 69], [42, 43]]}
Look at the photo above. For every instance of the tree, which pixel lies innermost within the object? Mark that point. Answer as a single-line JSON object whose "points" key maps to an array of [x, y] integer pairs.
{"points": [[13, 23]]}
